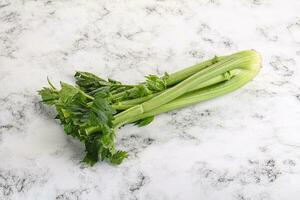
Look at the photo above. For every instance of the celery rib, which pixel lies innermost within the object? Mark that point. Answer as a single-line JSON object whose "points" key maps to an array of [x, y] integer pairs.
{"points": [[247, 63]]}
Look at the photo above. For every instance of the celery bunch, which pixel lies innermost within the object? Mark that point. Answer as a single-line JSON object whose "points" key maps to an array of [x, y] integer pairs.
{"points": [[94, 108]]}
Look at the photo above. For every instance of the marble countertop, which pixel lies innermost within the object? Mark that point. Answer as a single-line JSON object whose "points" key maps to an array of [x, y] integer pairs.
{"points": [[243, 146]]}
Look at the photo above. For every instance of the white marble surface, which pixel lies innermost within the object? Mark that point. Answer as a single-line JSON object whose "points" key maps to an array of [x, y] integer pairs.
{"points": [[243, 146]]}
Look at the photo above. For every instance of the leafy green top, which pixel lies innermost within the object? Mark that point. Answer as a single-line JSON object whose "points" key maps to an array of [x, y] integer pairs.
{"points": [[87, 118], [92, 84], [86, 112]]}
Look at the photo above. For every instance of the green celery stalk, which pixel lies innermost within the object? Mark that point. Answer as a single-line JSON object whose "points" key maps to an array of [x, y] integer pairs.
{"points": [[185, 73], [178, 76], [244, 60], [199, 95], [123, 105]]}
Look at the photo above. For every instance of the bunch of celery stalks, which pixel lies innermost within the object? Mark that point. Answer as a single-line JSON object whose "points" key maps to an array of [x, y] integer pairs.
{"points": [[117, 104]]}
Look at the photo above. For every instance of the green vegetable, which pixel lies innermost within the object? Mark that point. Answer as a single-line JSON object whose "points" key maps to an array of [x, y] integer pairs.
{"points": [[92, 110]]}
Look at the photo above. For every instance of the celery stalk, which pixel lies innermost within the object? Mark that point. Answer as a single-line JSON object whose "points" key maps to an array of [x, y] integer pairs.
{"points": [[248, 62], [123, 105]]}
